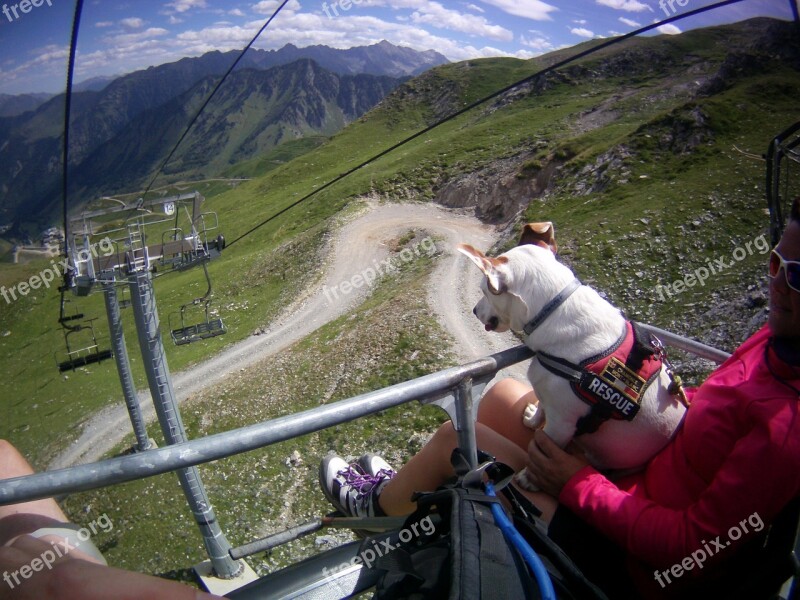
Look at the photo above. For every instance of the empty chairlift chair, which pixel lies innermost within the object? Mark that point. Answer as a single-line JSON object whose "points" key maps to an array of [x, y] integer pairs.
{"points": [[82, 347], [186, 334]]}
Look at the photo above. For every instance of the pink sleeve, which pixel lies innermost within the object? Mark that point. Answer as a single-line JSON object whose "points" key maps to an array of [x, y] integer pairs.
{"points": [[758, 478]]}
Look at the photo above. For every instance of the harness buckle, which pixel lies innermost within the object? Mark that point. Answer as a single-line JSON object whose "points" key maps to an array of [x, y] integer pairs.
{"points": [[675, 382]]}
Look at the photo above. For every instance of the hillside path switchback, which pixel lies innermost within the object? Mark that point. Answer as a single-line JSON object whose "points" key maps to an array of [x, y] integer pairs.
{"points": [[356, 247]]}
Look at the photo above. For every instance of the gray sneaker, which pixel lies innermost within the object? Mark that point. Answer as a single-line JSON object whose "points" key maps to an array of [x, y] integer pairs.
{"points": [[374, 465], [349, 488]]}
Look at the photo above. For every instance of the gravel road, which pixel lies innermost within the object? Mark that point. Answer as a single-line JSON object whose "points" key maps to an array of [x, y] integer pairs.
{"points": [[360, 245]]}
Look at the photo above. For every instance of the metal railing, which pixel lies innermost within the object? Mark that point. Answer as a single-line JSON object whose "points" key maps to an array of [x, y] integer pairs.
{"points": [[452, 389], [445, 388]]}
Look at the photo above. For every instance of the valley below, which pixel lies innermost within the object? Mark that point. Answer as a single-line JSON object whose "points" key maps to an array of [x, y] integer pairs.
{"points": [[357, 247]]}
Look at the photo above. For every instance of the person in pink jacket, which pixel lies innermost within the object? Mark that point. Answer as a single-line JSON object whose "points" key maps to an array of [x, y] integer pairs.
{"points": [[696, 516]]}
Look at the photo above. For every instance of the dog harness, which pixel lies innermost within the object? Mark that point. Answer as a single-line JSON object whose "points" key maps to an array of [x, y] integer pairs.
{"points": [[613, 382]]}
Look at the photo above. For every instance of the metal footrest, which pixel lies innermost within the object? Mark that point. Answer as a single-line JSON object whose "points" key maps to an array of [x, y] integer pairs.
{"points": [[84, 360], [330, 575], [195, 333]]}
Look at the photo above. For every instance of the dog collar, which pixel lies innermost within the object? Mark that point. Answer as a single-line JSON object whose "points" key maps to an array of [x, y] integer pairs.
{"points": [[551, 306]]}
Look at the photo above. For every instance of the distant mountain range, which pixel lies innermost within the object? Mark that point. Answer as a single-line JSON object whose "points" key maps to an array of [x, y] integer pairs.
{"points": [[13, 105], [383, 58], [253, 112], [122, 129]]}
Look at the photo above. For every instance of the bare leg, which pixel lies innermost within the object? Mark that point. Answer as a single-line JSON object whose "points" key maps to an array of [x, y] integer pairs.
{"points": [[13, 464], [27, 517], [501, 409], [431, 467]]}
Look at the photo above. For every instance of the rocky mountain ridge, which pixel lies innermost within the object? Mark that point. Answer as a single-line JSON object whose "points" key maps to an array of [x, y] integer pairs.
{"points": [[30, 140]]}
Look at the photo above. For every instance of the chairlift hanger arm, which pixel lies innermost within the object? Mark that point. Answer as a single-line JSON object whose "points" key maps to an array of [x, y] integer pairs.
{"points": [[64, 319], [781, 146], [138, 204]]}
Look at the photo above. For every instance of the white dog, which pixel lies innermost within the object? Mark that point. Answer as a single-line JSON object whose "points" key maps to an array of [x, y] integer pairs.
{"points": [[569, 325]]}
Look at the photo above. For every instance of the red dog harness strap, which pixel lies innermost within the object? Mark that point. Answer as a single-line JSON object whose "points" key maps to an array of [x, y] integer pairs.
{"points": [[613, 382]]}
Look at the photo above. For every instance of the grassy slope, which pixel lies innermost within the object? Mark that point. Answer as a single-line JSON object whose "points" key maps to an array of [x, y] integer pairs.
{"points": [[696, 206], [392, 328], [253, 280]]}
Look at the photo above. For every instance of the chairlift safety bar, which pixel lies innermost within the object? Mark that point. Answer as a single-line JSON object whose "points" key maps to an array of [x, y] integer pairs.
{"points": [[435, 387]]}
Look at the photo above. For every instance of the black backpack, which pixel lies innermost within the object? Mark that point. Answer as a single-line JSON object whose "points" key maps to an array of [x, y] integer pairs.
{"points": [[466, 556]]}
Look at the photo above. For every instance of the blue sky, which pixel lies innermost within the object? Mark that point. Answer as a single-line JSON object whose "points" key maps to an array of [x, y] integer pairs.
{"points": [[118, 37]]}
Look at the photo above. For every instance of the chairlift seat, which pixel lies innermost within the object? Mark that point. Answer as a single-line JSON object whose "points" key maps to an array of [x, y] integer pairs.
{"points": [[89, 354], [190, 259], [67, 318], [195, 333], [93, 356]]}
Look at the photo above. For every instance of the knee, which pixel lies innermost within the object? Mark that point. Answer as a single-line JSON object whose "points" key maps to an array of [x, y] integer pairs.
{"points": [[12, 463], [9, 455], [508, 388], [446, 435], [500, 397], [7, 448]]}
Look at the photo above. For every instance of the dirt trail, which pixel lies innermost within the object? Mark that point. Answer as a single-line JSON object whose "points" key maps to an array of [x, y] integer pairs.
{"points": [[357, 247]]}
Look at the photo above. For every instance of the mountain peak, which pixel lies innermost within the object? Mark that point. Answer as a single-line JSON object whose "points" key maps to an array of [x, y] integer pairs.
{"points": [[382, 58]]}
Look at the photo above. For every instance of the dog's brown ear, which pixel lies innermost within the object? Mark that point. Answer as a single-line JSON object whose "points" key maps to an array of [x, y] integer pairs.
{"points": [[539, 234], [488, 266]]}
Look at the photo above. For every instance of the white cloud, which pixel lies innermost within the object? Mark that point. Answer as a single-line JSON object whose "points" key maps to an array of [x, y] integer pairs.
{"points": [[630, 22], [137, 38], [173, 20], [132, 23], [48, 61], [268, 7], [629, 5], [582, 31], [529, 9], [236, 13], [104, 24], [669, 29], [476, 8], [182, 6], [539, 43], [580, 21], [437, 15], [347, 30]]}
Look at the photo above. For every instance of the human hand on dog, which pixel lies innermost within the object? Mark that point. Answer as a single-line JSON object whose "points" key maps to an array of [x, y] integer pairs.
{"points": [[550, 467]]}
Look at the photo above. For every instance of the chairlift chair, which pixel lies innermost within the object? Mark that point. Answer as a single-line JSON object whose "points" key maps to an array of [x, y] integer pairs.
{"points": [[124, 298], [64, 318], [181, 250], [177, 251], [87, 353], [186, 334]]}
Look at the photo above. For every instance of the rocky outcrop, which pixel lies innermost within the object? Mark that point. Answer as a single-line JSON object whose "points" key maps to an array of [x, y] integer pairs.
{"points": [[497, 191]]}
